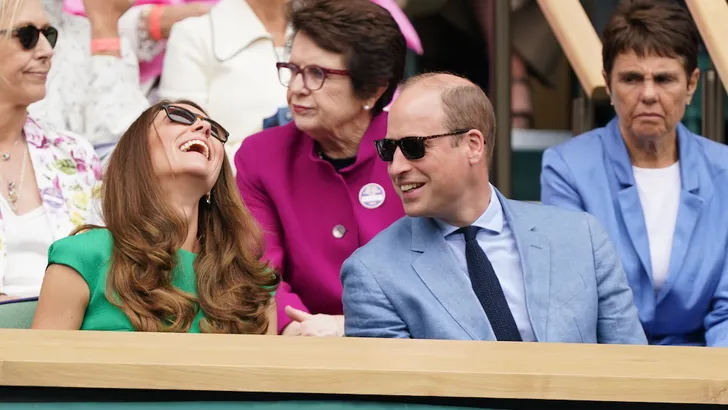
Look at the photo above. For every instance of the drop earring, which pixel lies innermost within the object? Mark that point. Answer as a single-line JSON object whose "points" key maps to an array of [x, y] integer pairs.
{"points": [[207, 198]]}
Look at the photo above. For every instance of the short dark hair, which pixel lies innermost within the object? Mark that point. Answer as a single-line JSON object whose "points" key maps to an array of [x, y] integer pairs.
{"points": [[365, 33], [660, 27]]}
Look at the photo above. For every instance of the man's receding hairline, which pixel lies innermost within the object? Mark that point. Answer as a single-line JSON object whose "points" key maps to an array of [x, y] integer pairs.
{"points": [[438, 81]]}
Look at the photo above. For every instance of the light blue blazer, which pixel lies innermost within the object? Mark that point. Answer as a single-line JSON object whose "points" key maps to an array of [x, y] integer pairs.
{"points": [[593, 173], [406, 283]]}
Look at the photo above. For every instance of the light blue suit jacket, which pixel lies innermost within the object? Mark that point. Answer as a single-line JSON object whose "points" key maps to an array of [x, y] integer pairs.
{"points": [[593, 173], [404, 283]]}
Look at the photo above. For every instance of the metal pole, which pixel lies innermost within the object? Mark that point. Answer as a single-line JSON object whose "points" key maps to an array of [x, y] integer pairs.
{"points": [[713, 102], [502, 94]]}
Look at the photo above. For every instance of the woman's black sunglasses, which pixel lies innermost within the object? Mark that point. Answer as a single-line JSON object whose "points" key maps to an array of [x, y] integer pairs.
{"points": [[186, 117], [30, 34], [412, 147]]}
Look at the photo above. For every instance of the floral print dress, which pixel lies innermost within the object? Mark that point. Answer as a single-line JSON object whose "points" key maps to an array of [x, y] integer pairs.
{"points": [[68, 174]]}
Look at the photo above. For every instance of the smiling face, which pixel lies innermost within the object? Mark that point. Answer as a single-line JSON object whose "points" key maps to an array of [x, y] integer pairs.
{"points": [[23, 72], [434, 185], [185, 152], [650, 94]]}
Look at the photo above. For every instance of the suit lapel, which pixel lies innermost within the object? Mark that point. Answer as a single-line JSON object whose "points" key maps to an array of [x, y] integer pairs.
{"points": [[694, 194], [634, 220], [534, 251], [436, 267], [627, 195]]}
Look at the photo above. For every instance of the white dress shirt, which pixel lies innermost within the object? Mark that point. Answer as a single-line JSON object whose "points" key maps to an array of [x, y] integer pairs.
{"points": [[659, 192]]}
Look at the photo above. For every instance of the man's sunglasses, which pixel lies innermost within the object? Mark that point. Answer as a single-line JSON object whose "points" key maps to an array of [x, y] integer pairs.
{"points": [[186, 117], [30, 34], [412, 147]]}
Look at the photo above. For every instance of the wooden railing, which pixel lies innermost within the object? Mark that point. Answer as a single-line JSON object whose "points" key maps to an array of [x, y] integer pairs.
{"points": [[262, 364], [580, 43], [711, 17]]}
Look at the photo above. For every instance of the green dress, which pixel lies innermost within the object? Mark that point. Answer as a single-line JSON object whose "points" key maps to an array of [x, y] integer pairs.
{"points": [[89, 253]]}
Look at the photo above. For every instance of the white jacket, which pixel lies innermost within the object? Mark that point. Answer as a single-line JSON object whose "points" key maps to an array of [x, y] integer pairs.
{"points": [[225, 61]]}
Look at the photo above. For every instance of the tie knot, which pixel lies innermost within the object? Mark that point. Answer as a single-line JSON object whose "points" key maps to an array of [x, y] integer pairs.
{"points": [[470, 232]]}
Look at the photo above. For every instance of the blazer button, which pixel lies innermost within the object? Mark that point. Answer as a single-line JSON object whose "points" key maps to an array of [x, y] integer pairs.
{"points": [[339, 231]]}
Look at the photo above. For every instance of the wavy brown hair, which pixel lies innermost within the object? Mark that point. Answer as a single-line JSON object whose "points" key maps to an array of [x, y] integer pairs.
{"points": [[233, 284]]}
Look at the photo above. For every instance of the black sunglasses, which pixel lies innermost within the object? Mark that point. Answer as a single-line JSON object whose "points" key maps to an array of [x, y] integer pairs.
{"points": [[186, 117], [412, 147], [30, 34]]}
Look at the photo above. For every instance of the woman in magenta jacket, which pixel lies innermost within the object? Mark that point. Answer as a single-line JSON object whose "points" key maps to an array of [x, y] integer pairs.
{"points": [[316, 185]]}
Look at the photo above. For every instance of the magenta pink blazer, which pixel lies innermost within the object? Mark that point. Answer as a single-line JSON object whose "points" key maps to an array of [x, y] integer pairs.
{"points": [[304, 205]]}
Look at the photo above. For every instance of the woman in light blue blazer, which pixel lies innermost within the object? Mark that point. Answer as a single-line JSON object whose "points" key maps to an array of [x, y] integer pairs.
{"points": [[659, 190]]}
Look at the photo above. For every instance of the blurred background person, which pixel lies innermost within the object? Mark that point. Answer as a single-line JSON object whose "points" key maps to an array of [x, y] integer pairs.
{"points": [[94, 87], [316, 185], [458, 37], [147, 24], [47, 177], [658, 188], [180, 253], [225, 61]]}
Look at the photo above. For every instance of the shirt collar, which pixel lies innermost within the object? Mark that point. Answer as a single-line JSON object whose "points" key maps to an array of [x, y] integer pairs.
{"points": [[491, 220], [367, 150], [235, 26]]}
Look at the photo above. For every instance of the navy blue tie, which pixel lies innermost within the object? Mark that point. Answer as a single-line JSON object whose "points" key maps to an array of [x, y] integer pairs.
{"points": [[488, 289]]}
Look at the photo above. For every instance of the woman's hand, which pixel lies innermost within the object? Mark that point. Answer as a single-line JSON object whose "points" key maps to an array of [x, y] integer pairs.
{"points": [[306, 324]]}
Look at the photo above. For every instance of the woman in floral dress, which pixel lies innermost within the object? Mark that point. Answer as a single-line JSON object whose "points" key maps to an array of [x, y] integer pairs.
{"points": [[47, 178]]}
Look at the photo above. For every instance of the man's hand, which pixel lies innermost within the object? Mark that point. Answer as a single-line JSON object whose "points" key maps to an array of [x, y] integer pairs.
{"points": [[306, 324]]}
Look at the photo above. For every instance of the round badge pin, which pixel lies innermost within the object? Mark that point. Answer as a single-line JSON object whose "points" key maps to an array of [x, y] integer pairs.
{"points": [[371, 196]]}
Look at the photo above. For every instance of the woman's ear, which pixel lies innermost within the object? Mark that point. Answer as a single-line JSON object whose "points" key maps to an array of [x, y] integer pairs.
{"points": [[606, 84], [372, 101], [693, 83]]}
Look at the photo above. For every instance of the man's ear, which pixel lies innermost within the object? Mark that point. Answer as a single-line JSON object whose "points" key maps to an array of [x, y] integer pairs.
{"points": [[476, 146]]}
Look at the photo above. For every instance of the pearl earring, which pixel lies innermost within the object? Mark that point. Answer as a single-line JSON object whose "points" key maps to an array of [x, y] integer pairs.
{"points": [[367, 107]]}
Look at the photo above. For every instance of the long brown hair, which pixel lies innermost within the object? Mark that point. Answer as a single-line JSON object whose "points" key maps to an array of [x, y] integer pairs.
{"points": [[233, 284]]}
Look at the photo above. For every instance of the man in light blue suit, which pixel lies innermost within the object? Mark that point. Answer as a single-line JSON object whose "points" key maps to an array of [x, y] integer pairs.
{"points": [[660, 191], [466, 263]]}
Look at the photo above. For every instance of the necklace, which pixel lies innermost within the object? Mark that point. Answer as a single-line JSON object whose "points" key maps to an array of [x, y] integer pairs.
{"points": [[14, 190], [5, 156]]}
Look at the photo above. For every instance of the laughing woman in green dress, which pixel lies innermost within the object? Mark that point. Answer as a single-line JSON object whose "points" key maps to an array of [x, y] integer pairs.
{"points": [[179, 251]]}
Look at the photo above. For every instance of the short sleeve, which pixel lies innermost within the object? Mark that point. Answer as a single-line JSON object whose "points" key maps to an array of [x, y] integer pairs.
{"points": [[271, 289], [87, 253]]}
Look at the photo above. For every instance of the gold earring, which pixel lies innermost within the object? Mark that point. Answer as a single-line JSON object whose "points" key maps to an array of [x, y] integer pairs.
{"points": [[208, 196]]}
